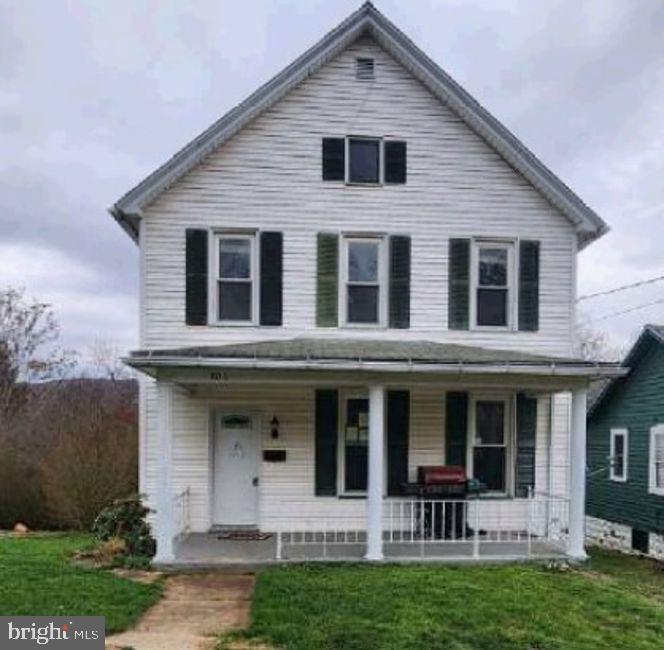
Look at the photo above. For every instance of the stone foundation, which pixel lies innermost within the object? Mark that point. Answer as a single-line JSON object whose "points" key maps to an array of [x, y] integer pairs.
{"points": [[657, 546], [618, 537]]}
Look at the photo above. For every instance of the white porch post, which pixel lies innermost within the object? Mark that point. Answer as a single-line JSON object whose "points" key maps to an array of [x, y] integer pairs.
{"points": [[164, 532], [375, 481], [577, 483]]}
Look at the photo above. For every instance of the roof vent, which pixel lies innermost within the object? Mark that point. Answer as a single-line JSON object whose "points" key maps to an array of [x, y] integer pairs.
{"points": [[364, 69]]}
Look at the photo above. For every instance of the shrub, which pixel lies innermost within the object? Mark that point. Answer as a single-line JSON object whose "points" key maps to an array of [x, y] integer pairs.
{"points": [[137, 562], [126, 519]]}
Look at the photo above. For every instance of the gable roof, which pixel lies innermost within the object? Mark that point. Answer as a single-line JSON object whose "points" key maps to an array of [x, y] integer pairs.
{"points": [[650, 334], [366, 20]]}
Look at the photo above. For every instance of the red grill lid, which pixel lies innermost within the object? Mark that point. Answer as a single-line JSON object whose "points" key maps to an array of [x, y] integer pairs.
{"points": [[441, 474]]}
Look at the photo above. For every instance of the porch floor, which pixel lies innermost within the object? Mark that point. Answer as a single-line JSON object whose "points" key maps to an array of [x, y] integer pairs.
{"points": [[202, 550]]}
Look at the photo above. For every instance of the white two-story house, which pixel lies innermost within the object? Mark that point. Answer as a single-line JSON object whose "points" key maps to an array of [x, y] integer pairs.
{"points": [[357, 273]]}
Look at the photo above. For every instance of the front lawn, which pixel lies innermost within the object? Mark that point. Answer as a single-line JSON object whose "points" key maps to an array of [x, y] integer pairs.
{"points": [[37, 578], [614, 603]]}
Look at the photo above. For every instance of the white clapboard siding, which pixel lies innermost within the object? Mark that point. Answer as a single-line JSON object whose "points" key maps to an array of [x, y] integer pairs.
{"points": [[268, 176], [286, 490]]}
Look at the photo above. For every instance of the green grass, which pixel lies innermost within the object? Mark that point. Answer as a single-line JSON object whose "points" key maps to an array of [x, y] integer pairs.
{"points": [[37, 578], [638, 574], [615, 603]]}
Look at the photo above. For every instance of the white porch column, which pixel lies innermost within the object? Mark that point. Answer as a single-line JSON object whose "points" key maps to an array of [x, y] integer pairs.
{"points": [[164, 532], [577, 482], [376, 473]]}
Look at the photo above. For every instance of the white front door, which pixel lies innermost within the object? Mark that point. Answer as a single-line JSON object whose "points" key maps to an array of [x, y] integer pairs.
{"points": [[236, 465]]}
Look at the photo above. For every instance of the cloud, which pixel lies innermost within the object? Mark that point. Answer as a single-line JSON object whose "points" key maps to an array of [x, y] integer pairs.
{"points": [[72, 289]]}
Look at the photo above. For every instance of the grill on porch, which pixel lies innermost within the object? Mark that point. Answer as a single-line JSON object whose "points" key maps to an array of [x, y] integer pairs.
{"points": [[443, 516]]}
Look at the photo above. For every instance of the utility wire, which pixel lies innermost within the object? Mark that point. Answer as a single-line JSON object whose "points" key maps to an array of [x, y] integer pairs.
{"points": [[627, 311], [623, 288]]}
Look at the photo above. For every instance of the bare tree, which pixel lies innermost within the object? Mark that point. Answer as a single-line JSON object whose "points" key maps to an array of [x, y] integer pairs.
{"points": [[592, 344], [93, 457], [105, 359], [68, 446], [28, 351]]}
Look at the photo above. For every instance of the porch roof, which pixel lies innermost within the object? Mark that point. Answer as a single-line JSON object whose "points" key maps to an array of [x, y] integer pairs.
{"points": [[368, 354]]}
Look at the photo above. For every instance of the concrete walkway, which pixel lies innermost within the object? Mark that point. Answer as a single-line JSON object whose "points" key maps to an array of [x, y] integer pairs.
{"points": [[195, 608]]}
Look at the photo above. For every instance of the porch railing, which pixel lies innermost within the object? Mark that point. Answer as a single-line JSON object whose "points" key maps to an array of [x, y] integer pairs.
{"points": [[440, 529], [181, 513]]}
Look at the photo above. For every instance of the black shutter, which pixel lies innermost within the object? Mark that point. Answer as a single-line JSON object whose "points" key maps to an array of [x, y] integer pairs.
{"points": [[327, 283], [456, 428], [529, 256], [458, 286], [395, 162], [327, 415], [399, 305], [398, 419], [271, 278], [334, 159], [196, 285], [526, 427]]}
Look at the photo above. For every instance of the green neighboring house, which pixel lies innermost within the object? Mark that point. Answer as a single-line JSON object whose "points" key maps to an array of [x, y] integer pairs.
{"points": [[625, 480]]}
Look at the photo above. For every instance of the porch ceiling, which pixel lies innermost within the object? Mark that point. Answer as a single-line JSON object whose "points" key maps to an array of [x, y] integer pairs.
{"points": [[368, 355]]}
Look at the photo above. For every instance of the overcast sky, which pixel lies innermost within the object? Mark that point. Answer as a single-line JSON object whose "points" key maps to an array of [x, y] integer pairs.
{"points": [[95, 94]]}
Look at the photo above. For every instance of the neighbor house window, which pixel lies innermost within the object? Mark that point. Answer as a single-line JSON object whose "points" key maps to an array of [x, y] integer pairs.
{"points": [[363, 160], [657, 459], [489, 448], [363, 286], [618, 460], [354, 447], [236, 283]]}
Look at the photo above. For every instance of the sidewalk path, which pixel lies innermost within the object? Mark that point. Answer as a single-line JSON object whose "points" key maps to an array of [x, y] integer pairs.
{"points": [[195, 608]]}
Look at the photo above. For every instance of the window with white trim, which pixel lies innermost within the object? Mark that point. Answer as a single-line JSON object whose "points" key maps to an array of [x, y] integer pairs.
{"points": [[354, 444], [363, 286], [236, 290], [493, 280], [619, 453], [490, 445], [657, 459]]}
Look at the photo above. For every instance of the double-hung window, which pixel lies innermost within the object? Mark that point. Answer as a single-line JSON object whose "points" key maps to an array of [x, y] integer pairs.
{"points": [[619, 451], [493, 284], [355, 437], [363, 288], [657, 459], [236, 286], [489, 449]]}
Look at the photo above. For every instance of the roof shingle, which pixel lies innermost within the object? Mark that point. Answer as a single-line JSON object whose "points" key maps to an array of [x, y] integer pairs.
{"points": [[358, 350]]}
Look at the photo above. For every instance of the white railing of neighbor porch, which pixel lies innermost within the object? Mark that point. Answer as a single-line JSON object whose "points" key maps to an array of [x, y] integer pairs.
{"points": [[181, 513], [434, 528]]}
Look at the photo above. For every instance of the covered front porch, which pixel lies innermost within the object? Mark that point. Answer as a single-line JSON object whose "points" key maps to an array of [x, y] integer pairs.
{"points": [[303, 452]]}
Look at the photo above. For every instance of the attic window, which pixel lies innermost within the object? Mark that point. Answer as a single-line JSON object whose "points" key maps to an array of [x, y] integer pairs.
{"points": [[364, 69]]}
